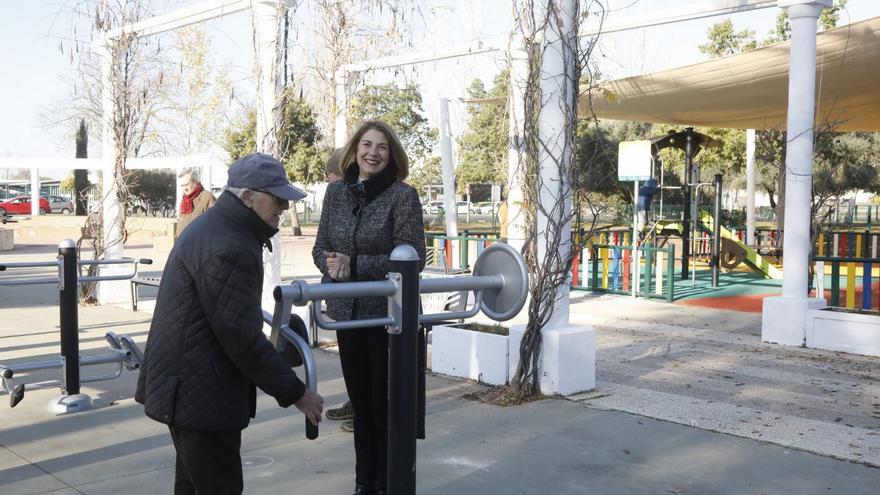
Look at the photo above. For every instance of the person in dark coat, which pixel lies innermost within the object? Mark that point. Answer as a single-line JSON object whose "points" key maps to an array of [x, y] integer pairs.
{"points": [[364, 217], [206, 352], [643, 204]]}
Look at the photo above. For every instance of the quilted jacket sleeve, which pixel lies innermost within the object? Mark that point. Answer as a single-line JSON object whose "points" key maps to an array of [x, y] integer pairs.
{"points": [[407, 228], [322, 239], [229, 285]]}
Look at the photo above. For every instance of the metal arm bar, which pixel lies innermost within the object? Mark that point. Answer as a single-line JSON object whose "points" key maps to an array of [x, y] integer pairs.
{"points": [[454, 315], [59, 263], [455, 284], [27, 264], [30, 281], [301, 292], [348, 325], [145, 261]]}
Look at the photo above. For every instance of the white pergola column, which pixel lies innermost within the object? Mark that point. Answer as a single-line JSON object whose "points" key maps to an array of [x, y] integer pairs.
{"points": [[555, 143], [451, 216], [750, 187], [114, 291], [519, 73], [784, 318], [268, 26], [340, 134], [568, 353]]}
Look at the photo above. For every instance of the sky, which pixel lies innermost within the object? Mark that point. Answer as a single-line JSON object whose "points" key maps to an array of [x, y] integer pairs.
{"points": [[37, 71]]}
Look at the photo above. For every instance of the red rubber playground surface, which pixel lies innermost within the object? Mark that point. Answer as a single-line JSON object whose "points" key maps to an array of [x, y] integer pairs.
{"points": [[745, 291], [736, 291]]}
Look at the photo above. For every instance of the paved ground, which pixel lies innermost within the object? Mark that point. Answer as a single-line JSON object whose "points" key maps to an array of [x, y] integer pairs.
{"points": [[688, 401]]}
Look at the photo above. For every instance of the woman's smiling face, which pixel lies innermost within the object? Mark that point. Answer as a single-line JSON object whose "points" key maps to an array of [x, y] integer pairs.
{"points": [[372, 153]]}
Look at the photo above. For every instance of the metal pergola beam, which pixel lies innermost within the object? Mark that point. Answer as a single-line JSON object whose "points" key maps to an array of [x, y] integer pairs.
{"points": [[688, 12], [180, 18]]}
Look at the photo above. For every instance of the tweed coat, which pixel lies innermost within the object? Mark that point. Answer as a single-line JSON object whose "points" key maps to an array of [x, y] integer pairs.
{"points": [[201, 203], [366, 223], [206, 349]]}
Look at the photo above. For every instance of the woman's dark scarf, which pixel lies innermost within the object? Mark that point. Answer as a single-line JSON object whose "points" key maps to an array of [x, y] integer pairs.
{"points": [[370, 189]]}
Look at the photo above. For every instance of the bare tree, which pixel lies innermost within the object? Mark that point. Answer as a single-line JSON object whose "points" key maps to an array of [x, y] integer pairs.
{"points": [[347, 31], [129, 68]]}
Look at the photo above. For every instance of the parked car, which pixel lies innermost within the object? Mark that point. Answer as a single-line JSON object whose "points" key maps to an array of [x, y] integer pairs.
{"points": [[432, 208], [435, 207], [21, 205], [486, 207], [60, 204]]}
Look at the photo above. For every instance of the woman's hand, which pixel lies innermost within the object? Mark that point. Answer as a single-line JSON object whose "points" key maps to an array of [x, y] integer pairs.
{"points": [[338, 265]]}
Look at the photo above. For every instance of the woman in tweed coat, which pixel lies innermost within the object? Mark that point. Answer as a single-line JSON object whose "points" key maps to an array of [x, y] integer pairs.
{"points": [[364, 217]]}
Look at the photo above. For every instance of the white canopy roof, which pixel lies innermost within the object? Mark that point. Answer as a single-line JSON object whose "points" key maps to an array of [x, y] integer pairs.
{"points": [[750, 90]]}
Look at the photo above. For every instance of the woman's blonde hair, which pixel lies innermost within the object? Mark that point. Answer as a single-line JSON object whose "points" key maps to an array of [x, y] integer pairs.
{"points": [[397, 156]]}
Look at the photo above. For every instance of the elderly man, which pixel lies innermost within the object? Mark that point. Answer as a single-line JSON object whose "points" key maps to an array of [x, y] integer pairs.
{"points": [[196, 199], [206, 352]]}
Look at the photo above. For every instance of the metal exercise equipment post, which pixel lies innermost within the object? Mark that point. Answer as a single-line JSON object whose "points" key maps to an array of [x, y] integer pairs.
{"points": [[500, 284], [123, 351], [716, 234]]}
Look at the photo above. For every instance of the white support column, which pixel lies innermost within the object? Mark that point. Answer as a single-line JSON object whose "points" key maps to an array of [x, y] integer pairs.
{"points": [[111, 291], [268, 28], [451, 216], [35, 191], [519, 73], [784, 318], [555, 153], [750, 187], [568, 352], [340, 134]]}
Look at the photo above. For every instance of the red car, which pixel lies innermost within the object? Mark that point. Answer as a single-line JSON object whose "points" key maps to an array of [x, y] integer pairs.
{"points": [[21, 205]]}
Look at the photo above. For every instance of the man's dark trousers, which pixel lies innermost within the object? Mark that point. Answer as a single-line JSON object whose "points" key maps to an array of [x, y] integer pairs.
{"points": [[207, 463]]}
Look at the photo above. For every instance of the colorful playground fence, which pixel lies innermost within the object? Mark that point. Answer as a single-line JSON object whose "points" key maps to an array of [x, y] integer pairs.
{"points": [[469, 246], [598, 267], [850, 257], [608, 268]]}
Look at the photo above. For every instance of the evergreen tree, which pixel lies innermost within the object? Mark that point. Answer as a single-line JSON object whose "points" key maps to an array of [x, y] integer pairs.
{"points": [[81, 176], [483, 146]]}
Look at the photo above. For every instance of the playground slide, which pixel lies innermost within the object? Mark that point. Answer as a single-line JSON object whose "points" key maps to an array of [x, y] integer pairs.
{"points": [[755, 261]]}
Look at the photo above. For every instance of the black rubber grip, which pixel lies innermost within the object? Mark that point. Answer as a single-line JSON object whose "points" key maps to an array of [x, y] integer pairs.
{"points": [[311, 430]]}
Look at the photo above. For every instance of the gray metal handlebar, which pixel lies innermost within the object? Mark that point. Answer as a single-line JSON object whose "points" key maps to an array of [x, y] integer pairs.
{"points": [[283, 331]]}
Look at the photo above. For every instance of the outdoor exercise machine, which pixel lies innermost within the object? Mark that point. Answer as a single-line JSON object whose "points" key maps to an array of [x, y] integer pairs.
{"points": [[123, 351], [500, 286]]}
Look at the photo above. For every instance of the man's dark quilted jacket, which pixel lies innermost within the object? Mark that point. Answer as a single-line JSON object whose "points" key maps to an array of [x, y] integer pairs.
{"points": [[206, 347], [366, 223]]}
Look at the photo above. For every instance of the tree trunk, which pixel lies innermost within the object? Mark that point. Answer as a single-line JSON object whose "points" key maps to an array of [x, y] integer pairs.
{"points": [[81, 176], [294, 221]]}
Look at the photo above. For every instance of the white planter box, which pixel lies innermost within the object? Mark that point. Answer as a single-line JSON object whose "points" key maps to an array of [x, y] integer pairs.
{"points": [[469, 354], [843, 331]]}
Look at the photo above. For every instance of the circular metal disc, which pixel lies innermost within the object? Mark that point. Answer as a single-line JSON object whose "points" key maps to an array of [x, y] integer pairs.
{"points": [[501, 259]]}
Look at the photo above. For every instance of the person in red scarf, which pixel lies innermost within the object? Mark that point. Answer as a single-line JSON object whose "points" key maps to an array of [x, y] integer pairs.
{"points": [[196, 199]]}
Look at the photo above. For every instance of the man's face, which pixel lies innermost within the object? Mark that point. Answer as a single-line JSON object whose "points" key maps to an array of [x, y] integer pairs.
{"points": [[268, 207], [187, 183]]}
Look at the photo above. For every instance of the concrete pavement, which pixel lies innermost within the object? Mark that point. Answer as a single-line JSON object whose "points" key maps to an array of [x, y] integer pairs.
{"points": [[688, 401]]}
